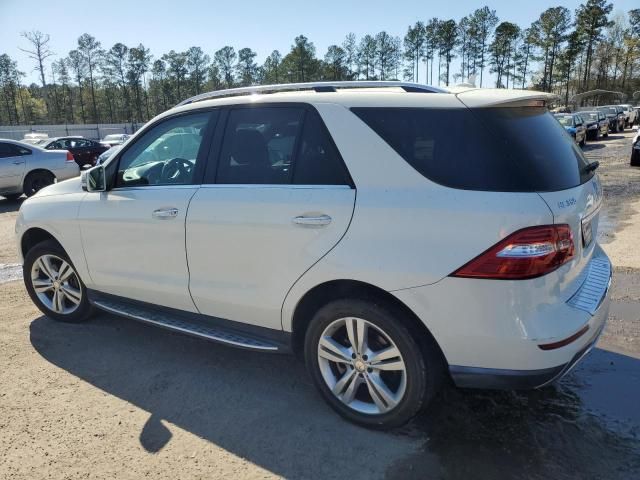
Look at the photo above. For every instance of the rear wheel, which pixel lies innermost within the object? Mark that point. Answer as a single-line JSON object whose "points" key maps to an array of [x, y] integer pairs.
{"points": [[368, 365], [54, 285], [36, 181]]}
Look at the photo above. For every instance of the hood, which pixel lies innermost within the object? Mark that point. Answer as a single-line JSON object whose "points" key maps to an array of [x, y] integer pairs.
{"points": [[73, 185]]}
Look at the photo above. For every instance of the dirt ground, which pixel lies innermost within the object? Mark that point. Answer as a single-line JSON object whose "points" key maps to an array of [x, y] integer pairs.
{"points": [[116, 399]]}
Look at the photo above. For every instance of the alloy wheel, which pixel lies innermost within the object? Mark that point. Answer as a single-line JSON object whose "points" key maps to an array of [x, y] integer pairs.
{"points": [[56, 284], [362, 366]]}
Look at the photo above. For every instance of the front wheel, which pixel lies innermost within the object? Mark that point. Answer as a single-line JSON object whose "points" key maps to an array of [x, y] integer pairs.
{"points": [[368, 365], [54, 285]]}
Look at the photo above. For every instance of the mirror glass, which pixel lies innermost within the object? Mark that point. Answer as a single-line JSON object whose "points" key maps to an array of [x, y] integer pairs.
{"points": [[96, 179]]}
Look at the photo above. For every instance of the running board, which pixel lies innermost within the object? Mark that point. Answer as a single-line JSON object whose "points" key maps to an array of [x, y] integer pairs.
{"points": [[196, 325]]}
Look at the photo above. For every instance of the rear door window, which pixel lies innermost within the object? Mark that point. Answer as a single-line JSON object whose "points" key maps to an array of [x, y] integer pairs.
{"points": [[516, 149], [278, 145], [258, 145]]}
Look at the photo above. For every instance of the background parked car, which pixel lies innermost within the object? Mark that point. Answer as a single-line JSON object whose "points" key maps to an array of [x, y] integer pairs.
{"points": [[597, 124], [574, 125], [616, 118], [84, 151], [635, 150], [26, 168], [114, 139], [630, 114], [35, 138], [108, 154]]}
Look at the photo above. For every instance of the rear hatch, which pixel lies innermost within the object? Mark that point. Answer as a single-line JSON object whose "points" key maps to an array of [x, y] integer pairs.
{"points": [[506, 145], [557, 171]]}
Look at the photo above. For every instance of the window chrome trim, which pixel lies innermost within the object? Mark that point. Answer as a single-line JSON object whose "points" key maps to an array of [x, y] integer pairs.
{"points": [[153, 187], [276, 186]]}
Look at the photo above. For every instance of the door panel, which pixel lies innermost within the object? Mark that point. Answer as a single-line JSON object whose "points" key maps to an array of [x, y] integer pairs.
{"points": [[11, 168], [133, 235], [246, 245], [133, 252]]}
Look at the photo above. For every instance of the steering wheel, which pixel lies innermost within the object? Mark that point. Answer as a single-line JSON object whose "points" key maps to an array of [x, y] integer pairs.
{"points": [[176, 170]]}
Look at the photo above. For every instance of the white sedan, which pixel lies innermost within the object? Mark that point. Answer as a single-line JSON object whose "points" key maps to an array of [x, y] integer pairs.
{"points": [[28, 168]]}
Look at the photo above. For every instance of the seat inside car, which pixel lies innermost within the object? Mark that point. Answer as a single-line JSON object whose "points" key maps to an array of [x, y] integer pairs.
{"points": [[249, 159]]}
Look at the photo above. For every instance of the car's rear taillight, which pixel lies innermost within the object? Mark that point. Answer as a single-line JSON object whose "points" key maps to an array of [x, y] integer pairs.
{"points": [[527, 253], [70, 157]]}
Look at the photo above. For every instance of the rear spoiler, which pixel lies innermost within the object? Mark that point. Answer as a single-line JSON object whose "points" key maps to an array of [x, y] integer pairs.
{"points": [[500, 97]]}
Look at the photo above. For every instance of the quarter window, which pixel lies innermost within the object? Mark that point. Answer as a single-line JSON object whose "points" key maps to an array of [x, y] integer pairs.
{"points": [[318, 161], [166, 154]]}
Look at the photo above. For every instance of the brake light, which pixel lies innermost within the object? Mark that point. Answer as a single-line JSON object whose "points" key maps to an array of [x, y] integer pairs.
{"points": [[70, 157], [527, 253]]}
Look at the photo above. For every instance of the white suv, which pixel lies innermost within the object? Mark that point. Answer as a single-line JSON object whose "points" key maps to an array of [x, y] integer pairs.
{"points": [[393, 235]]}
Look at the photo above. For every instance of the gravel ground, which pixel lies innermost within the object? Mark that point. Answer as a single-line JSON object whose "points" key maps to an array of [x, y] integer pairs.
{"points": [[116, 399]]}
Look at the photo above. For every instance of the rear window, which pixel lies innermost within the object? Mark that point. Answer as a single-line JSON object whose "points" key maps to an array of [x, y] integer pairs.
{"points": [[517, 149]]}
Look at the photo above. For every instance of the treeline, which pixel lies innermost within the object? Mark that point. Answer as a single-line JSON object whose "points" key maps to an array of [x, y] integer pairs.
{"points": [[562, 52]]}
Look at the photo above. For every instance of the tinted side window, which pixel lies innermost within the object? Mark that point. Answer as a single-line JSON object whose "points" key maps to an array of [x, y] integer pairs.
{"points": [[258, 145], [318, 161], [487, 149], [166, 154], [81, 143], [7, 150]]}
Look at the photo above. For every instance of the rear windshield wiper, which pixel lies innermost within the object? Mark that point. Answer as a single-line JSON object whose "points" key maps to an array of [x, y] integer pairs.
{"points": [[591, 167]]}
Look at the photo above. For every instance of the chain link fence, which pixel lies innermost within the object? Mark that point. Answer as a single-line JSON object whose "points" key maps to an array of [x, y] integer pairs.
{"points": [[91, 131]]}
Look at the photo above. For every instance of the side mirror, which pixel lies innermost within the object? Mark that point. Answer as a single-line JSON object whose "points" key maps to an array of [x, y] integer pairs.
{"points": [[94, 179]]}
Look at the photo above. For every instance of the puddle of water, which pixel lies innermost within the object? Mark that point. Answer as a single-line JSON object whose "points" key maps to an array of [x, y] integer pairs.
{"points": [[10, 272], [587, 426]]}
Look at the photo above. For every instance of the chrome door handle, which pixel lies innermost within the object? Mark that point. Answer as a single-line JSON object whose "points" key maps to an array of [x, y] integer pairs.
{"points": [[165, 213], [17, 162], [316, 221]]}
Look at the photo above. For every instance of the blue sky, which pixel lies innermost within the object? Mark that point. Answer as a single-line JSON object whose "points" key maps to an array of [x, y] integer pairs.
{"points": [[260, 25]]}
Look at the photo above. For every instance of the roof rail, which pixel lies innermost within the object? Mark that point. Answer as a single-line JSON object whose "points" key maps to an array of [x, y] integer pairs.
{"points": [[316, 86]]}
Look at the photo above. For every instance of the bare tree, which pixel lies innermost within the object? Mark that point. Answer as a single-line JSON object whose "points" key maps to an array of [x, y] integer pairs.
{"points": [[39, 52]]}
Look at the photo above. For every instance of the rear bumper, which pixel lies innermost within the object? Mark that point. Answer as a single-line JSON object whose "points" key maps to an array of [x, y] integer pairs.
{"points": [[502, 336], [500, 379]]}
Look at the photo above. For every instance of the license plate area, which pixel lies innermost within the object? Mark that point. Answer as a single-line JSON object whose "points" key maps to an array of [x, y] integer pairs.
{"points": [[587, 230]]}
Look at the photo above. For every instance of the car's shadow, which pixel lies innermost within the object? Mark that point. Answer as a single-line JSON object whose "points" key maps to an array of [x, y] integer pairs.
{"points": [[263, 408], [7, 205]]}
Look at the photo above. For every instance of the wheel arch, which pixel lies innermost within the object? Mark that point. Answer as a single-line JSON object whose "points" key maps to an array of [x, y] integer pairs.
{"points": [[323, 293], [33, 236]]}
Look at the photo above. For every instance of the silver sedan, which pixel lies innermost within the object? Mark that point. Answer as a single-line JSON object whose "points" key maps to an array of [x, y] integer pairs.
{"points": [[27, 168]]}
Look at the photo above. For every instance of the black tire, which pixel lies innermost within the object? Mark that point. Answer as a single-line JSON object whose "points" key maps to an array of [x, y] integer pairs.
{"points": [[12, 196], [36, 181], [583, 142], [635, 158], [83, 310], [422, 360]]}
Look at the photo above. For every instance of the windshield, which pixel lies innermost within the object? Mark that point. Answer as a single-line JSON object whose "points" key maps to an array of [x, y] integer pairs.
{"points": [[590, 116], [565, 121]]}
